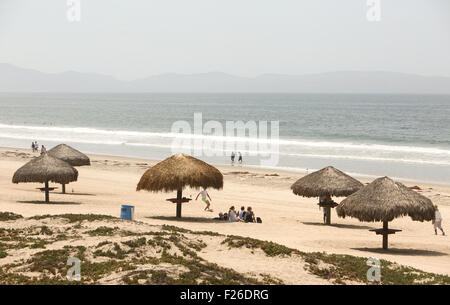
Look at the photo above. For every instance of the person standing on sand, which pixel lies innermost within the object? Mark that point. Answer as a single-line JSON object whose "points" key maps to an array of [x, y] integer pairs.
{"points": [[43, 150], [437, 221], [232, 157], [32, 147], [240, 158], [324, 215], [205, 197], [322, 200]]}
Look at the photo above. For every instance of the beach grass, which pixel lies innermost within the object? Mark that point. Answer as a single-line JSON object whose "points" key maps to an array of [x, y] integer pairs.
{"points": [[113, 252], [340, 269], [5, 216], [75, 217]]}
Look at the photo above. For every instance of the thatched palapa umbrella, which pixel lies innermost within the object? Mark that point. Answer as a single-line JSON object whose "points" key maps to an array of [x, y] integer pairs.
{"points": [[383, 200], [44, 169], [70, 155], [327, 181], [177, 172]]}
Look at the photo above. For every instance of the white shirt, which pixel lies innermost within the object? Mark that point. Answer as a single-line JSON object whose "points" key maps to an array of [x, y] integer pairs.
{"points": [[241, 214], [232, 216], [437, 216], [204, 194]]}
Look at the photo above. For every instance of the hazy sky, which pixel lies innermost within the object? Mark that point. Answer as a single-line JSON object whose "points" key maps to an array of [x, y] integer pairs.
{"points": [[135, 38]]}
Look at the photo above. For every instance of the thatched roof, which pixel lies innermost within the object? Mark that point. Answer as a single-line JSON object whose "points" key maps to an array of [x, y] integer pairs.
{"points": [[384, 200], [327, 181], [46, 168], [178, 171], [69, 155]]}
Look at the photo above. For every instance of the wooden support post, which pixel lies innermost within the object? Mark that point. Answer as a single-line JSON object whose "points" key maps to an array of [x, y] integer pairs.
{"points": [[63, 188], [179, 196], [47, 197], [328, 215], [385, 235]]}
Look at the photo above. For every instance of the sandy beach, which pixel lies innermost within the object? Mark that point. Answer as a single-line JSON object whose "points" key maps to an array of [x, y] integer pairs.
{"points": [[290, 220]]}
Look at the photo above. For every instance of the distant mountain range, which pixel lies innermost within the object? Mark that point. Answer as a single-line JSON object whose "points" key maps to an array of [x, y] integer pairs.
{"points": [[16, 79]]}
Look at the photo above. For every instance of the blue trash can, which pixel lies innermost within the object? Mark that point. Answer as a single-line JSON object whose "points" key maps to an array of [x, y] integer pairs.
{"points": [[127, 212]]}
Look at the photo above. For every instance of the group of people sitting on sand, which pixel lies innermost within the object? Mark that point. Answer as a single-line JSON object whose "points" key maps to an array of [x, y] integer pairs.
{"points": [[232, 216], [243, 215]]}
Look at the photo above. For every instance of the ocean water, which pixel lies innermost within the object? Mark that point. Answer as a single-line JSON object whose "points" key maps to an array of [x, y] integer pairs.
{"points": [[402, 136]]}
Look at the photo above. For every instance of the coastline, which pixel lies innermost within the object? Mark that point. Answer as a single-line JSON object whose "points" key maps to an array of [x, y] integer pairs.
{"points": [[290, 220], [300, 172]]}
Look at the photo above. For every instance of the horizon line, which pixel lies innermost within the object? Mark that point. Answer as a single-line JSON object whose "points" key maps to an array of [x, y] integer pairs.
{"points": [[225, 73]]}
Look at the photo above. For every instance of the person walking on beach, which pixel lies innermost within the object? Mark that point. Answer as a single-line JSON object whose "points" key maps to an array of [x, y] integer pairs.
{"points": [[205, 197], [232, 157], [437, 221], [240, 158], [33, 148]]}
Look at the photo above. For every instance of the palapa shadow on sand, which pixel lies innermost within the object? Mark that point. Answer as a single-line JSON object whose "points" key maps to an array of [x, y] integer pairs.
{"points": [[337, 225], [400, 251], [56, 192], [187, 219], [76, 194], [51, 202]]}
